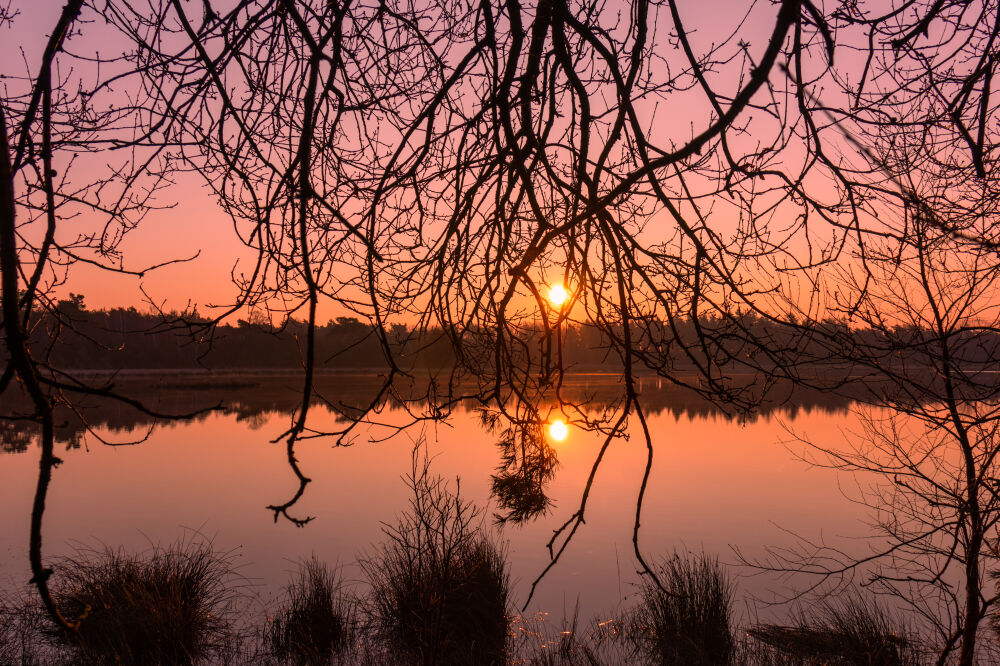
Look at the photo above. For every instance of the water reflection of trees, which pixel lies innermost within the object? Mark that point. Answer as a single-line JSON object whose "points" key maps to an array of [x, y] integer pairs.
{"points": [[248, 397]]}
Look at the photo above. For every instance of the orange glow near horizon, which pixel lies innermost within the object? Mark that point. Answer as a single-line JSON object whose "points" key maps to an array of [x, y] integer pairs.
{"points": [[558, 430], [558, 295]]}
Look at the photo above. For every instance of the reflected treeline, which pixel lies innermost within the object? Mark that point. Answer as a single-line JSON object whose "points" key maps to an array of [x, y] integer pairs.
{"points": [[250, 397]]}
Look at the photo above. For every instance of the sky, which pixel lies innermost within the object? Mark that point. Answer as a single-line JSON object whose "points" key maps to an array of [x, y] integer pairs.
{"points": [[194, 226]]}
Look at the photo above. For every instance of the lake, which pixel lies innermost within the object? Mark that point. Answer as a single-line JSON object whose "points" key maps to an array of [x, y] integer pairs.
{"points": [[718, 484]]}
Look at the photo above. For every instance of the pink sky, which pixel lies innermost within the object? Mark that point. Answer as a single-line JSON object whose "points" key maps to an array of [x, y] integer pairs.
{"points": [[196, 224]]}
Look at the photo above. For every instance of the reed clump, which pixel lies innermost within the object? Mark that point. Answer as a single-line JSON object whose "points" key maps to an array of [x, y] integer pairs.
{"points": [[315, 622], [852, 629], [171, 605], [440, 590], [686, 617]]}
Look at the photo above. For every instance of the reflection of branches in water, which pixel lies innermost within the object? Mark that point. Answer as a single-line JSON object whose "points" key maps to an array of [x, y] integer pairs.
{"points": [[560, 540], [527, 464], [251, 399], [527, 461]]}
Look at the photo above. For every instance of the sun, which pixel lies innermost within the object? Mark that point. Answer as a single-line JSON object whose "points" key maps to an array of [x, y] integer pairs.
{"points": [[558, 430], [558, 295]]}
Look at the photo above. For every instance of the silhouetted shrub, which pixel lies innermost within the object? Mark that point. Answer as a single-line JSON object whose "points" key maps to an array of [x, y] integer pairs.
{"points": [[315, 621], [168, 606], [848, 630], [440, 587], [688, 619]]}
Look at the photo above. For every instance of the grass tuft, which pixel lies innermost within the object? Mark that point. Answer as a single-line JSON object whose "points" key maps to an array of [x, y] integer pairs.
{"points": [[315, 622], [688, 620], [439, 583], [849, 630], [168, 606]]}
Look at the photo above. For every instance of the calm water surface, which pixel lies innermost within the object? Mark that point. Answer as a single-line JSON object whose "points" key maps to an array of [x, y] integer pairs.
{"points": [[717, 484]]}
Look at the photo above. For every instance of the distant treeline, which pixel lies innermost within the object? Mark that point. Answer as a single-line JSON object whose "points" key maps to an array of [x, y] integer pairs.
{"points": [[75, 337], [72, 336]]}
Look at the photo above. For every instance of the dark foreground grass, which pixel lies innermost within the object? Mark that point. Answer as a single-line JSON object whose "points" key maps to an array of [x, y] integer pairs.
{"points": [[14, 645], [539, 642], [687, 617], [850, 630], [171, 605], [439, 596], [440, 590], [315, 623], [448, 607]]}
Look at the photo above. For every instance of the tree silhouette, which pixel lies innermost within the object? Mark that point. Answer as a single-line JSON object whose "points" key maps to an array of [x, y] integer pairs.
{"points": [[716, 206]]}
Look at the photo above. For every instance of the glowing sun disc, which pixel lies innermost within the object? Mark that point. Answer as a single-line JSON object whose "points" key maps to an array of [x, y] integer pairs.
{"points": [[558, 295], [558, 430]]}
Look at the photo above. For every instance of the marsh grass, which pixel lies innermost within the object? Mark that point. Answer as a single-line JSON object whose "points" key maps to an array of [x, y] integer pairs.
{"points": [[170, 605], [315, 622], [689, 619], [440, 590], [443, 608], [853, 629], [538, 642], [17, 638], [10, 651]]}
